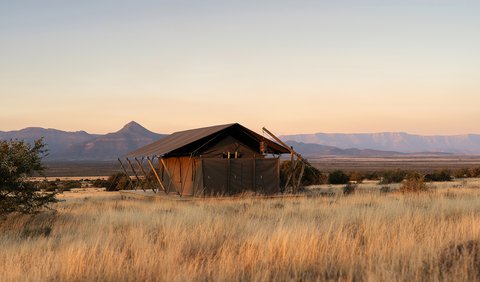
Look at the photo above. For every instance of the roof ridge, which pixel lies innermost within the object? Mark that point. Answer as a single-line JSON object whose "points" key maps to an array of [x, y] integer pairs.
{"points": [[207, 127], [184, 138]]}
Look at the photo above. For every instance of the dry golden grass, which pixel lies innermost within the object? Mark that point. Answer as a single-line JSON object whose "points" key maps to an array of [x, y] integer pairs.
{"points": [[367, 236]]}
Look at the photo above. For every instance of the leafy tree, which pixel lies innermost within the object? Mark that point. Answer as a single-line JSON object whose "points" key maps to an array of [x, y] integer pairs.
{"points": [[18, 160]]}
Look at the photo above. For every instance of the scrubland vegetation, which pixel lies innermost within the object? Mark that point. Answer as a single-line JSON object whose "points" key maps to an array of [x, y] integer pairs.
{"points": [[392, 225], [367, 235]]}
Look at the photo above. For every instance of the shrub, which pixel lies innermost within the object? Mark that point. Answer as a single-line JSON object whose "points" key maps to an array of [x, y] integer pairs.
{"points": [[350, 188], [475, 172], [117, 181], [311, 175], [49, 186], [372, 175], [393, 176], [338, 177], [462, 173], [67, 185], [357, 176], [100, 183], [385, 189], [440, 175], [414, 183]]}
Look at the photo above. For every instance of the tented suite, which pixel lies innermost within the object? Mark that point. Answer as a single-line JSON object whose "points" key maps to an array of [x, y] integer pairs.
{"points": [[218, 160]]}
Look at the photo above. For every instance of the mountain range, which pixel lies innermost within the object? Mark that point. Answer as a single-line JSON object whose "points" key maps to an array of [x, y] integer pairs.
{"points": [[394, 141], [80, 145], [317, 150], [83, 146]]}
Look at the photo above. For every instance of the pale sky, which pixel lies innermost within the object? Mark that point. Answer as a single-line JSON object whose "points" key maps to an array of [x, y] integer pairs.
{"points": [[293, 66]]}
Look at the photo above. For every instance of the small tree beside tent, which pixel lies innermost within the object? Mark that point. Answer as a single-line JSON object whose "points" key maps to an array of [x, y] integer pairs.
{"points": [[18, 160]]}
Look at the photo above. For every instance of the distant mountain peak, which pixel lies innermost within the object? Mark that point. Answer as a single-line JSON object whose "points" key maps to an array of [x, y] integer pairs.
{"points": [[112, 145], [133, 126]]}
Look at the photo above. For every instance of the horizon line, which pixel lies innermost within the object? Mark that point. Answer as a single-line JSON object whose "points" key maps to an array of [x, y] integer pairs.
{"points": [[280, 135]]}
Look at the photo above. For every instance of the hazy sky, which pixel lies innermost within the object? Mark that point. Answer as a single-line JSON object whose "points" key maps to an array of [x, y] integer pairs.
{"points": [[293, 66]]}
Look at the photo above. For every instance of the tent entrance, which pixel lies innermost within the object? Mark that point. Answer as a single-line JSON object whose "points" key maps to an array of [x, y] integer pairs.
{"points": [[233, 176]]}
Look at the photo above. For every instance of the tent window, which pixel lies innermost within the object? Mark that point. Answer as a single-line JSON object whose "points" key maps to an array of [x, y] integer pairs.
{"points": [[232, 155]]}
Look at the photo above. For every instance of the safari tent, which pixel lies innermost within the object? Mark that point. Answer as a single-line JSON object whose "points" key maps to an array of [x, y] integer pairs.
{"points": [[218, 160]]}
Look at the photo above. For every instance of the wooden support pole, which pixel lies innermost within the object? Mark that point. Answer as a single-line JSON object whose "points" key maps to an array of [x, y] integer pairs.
{"points": [[155, 189], [292, 169], [126, 174], [294, 164], [156, 175], [135, 173], [301, 176], [168, 174], [186, 174], [254, 174], [145, 174], [283, 143], [278, 174]]}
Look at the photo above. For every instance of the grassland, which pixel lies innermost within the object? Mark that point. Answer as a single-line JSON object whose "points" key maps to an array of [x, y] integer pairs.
{"points": [[367, 236]]}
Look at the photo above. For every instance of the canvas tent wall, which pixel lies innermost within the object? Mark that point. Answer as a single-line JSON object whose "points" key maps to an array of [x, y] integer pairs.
{"points": [[232, 176], [224, 159]]}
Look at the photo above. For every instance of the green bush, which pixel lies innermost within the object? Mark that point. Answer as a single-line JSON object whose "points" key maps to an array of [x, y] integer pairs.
{"points": [[372, 175], [440, 176], [393, 176], [338, 177]]}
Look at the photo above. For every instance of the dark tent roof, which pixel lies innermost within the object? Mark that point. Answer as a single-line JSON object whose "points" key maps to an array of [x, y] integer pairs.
{"points": [[191, 141]]}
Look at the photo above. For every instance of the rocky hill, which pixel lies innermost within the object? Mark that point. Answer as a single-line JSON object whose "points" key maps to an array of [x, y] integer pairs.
{"points": [[112, 145]]}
